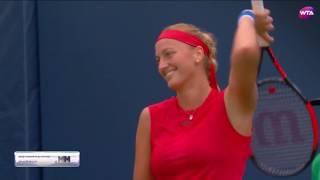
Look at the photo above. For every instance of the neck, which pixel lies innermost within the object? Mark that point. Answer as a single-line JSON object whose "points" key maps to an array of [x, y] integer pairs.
{"points": [[192, 97]]}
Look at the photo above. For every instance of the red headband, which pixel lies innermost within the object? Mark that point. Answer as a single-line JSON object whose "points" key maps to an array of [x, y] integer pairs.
{"points": [[185, 37], [194, 41]]}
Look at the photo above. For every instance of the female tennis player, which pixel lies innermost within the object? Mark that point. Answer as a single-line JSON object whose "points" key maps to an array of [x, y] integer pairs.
{"points": [[203, 133]]}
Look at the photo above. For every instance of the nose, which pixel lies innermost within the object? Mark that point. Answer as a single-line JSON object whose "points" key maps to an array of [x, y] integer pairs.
{"points": [[162, 65]]}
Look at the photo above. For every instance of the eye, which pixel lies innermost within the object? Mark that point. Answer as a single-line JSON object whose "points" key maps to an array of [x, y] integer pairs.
{"points": [[168, 54]]}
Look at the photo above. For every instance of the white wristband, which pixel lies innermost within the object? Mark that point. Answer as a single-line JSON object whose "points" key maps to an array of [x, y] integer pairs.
{"points": [[248, 14]]}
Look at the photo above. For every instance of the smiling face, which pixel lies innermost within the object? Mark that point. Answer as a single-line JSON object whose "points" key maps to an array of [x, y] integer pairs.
{"points": [[184, 62], [177, 62]]}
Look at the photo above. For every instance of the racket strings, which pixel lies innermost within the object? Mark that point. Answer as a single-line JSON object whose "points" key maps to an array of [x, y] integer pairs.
{"points": [[282, 133]]}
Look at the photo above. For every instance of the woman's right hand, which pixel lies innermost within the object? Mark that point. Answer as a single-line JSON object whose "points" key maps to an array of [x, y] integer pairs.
{"points": [[264, 25]]}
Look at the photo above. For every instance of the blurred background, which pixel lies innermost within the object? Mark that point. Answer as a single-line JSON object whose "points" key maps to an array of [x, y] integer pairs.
{"points": [[74, 75]]}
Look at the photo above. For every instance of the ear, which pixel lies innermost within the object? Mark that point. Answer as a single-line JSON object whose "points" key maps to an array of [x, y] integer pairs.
{"points": [[198, 54]]}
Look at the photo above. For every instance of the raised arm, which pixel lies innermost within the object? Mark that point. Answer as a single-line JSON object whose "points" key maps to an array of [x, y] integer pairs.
{"points": [[142, 170], [241, 92]]}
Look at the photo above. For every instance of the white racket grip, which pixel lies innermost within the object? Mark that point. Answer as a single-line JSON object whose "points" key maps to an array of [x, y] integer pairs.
{"points": [[257, 6]]}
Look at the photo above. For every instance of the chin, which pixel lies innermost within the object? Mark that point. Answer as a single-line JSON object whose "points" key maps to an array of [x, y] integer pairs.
{"points": [[174, 85]]}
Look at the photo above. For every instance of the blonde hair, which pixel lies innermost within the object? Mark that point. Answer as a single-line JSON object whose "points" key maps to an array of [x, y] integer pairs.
{"points": [[206, 37]]}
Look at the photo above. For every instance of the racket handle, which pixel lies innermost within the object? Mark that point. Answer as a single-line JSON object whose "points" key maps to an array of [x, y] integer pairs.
{"points": [[257, 6]]}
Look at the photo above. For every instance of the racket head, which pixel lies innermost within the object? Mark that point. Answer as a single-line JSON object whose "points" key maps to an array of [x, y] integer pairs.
{"points": [[283, 141]]}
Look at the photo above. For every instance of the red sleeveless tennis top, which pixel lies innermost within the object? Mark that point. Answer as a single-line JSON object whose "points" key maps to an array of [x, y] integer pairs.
{"points": [[207, 147]]}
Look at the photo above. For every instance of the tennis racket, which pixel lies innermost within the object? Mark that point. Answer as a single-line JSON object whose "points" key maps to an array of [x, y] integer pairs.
{"points": [[285, 130]]}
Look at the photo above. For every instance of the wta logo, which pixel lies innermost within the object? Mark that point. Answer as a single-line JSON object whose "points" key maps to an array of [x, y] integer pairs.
{"points": [[306, 12]]}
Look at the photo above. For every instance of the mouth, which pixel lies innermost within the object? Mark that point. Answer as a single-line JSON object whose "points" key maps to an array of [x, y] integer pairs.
{"points": [[168, 74]]}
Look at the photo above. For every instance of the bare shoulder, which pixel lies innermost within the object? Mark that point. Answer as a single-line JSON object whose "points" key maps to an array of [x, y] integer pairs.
{"points": [[144, 119], [142, 170], [143, 128]]}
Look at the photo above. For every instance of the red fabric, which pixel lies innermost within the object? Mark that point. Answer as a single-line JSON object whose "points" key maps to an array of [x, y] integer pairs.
{"points": [[194, 41], [206, 149], [185, 37]]}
